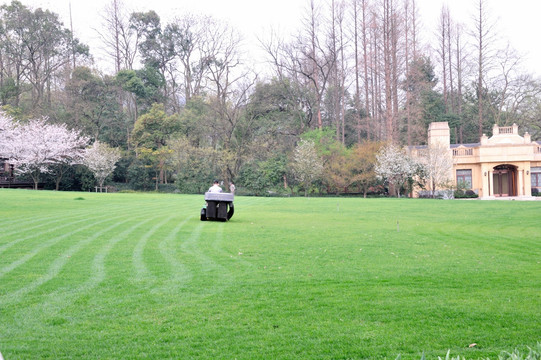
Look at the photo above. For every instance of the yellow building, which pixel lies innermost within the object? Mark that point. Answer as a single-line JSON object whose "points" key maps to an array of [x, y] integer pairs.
{"points": [[504, 165]]}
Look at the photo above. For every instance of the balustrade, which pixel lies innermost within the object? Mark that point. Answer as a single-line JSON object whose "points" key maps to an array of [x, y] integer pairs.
{"points": [[462, 152], [506, 130]]}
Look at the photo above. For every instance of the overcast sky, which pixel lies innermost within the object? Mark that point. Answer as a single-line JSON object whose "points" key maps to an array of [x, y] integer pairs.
{"points": [[518, 20]]}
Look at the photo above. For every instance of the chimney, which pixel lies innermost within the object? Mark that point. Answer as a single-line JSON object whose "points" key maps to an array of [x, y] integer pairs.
{"points": [[439, 133]]}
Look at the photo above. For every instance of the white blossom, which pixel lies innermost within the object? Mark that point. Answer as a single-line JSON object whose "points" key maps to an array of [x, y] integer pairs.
{"points": [[6, 128], [395, 167], [438, 165], [33, 147], [306, 164], [101, 160]]}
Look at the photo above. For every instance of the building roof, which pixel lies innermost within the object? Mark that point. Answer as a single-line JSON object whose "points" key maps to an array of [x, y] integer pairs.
{"points": [[472, 145]]}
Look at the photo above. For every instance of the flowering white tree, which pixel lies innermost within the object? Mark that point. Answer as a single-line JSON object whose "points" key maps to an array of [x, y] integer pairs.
{"points": [[438, 165], [34, 147], [6, 126], [101, 159], [306, 164], [395, 167]]}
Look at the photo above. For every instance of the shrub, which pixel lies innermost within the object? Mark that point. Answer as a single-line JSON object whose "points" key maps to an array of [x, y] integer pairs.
{"points": [[536, 192], [465, 194], [438, 194], [471, 194]]}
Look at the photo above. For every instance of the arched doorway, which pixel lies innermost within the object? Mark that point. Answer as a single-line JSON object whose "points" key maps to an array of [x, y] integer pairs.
{"points": [[505, 180]]}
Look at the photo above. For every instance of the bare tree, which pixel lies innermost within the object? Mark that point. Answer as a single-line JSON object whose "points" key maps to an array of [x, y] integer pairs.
{"points": [[119, 38], [450, 29], [194, 44], [410, 56], [338, 75], [459, 68], [484, 33], [307, 61], [356, 10], [223, 60], [443, 51], [364, 65], [344, 70]]}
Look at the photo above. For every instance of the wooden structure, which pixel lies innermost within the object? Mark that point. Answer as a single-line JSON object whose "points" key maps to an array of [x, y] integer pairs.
{"points": [[8, 178]]}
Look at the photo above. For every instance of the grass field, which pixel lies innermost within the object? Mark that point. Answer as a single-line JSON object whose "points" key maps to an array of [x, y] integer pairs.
{"points": [[126, 276]]}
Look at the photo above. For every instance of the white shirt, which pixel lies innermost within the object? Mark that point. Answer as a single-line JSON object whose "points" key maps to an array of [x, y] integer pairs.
{"points": [[215, 188]]}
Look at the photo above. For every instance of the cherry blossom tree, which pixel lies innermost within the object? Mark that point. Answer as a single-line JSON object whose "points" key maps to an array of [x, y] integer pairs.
{"points": [[395, 167], [6, 125], [35, 147], [101, 159]]}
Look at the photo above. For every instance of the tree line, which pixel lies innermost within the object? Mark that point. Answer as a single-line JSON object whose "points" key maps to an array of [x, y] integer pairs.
{"points": [[185, 106]]}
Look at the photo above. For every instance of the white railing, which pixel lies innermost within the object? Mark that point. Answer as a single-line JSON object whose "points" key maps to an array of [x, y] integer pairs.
{"points": [[462, 152], [506, 130]]}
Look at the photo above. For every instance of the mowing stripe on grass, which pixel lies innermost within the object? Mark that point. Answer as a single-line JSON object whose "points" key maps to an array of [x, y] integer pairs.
{"points": [[44, 246], [180, 273], [98, 265], [23, 223], [284, 278], [91, 222], [214, 277], [142, 274], [54, 302], [60, 217], [23, 229], [59, 262]]}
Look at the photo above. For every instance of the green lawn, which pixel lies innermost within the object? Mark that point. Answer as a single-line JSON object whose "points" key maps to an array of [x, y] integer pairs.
{"points": [[125, 276]]}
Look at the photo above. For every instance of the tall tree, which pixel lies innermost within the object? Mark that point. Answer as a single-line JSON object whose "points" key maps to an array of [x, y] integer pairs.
{"points": [[337, 46], [157, 54], [410, 56], [443, 51], [193, 41], [150, 135], [38, 47], [91, 106], [120, 40], [484, 34], [34, 147], [460, 63], [306, 59], [425, 104]]}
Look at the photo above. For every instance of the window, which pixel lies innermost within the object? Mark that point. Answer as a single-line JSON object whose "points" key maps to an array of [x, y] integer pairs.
{"points": [[536, 177], [463, 178]]}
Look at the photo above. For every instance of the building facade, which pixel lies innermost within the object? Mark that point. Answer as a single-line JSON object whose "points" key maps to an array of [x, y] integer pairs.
{"points": [[503, 165]]}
